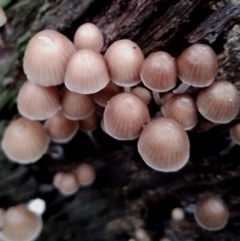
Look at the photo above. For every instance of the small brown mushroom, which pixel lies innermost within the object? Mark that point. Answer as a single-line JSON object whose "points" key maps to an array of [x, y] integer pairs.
{"points": [[25, 141], [182, 108], [103, 96], [36, 102], [125, 116], [142, 93], [164, 145], [159, 73], [85, 174], [46, 58], [197, 66], [124, 60], [61, 129], [211, 213], [66, 183], [88, 36], [76, 106], [219, 103], [20, 224], [86, 72]]}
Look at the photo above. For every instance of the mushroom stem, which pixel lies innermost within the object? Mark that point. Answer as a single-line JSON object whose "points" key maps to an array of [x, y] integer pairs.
{"points": [[127, 89], [56, 152], [93, 140], [157, 98], [181, 88], [228, 148]]}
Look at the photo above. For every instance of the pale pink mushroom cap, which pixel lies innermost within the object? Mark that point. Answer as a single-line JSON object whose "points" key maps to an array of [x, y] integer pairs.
{"points": [[219, 102], [36, 102], [20, 224], [125, 116], [164, 145], [86, 72], [46, 58], [25, 141], [159, 72], [124, 61], [76, 106], [211, 213], [88, 36], [197, 65], [61, 129]]}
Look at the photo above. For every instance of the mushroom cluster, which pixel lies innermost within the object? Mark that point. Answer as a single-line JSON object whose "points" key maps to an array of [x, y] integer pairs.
{"points": [[68, 81], [92, 80]]}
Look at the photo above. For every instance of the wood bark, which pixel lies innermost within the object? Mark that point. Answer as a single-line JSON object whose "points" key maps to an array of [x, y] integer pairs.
{"points": [[128, 199]]}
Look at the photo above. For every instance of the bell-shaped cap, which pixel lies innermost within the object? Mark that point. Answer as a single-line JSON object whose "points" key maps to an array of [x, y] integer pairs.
{"points": [[164, 145], [36, 102], [103, 96], [88, 124], [85, 174], [66, 183], [88, 36], [20, 224], [142, 93], [76, 106], [219, 103], [61, 129], [182, 108], [46, 58], [211, 213], [25, 141], [125, 116], [86, 72], [159, 72], [197, 65], [124, 61]]}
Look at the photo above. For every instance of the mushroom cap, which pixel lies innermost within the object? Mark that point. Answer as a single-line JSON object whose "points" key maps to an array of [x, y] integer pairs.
{"points": [[103, 96], [88, 36], [88, 124], [3, 18], [25, 141], [76, 106], [124, 60], [211, 213], [36, 102], [20, 224], [197, 65], [235, 133], [177, 214], [142, 93], [159, 72], [46, 58], [86, 72], [66, 183], [124, 116], [166, 97], [61, 129], [219, 102], [182, 108], [164, 145], [85, 174]]}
